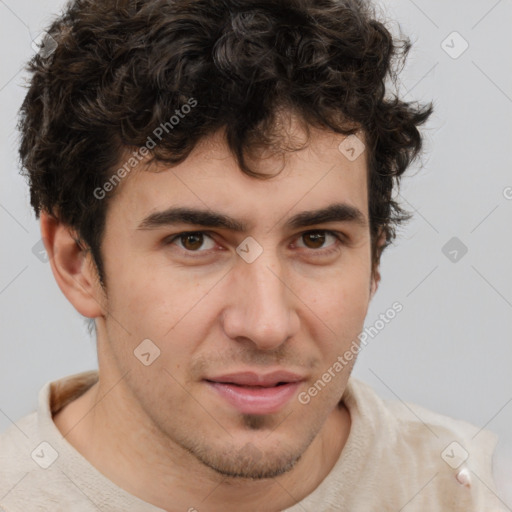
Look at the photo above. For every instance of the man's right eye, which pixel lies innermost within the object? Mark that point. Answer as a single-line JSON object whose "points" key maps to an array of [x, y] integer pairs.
{"points": [[192, 241]]}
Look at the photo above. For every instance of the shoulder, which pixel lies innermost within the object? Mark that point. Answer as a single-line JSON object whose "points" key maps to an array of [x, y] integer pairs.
{"points": [[417, 425], [16, 451], [502, 470], [446, 460], [32, 475]]}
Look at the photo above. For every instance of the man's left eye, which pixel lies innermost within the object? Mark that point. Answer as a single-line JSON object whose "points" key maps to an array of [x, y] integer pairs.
{"points": [[317, 239]]}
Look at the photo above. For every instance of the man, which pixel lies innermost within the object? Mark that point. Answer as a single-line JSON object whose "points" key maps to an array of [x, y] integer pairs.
{"points": [[214, 183]]}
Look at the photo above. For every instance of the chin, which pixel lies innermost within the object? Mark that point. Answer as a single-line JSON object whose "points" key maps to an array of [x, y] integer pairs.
{"points": [[250, 463]]}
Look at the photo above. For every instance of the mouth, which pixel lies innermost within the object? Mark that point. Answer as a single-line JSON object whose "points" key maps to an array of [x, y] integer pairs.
{"points": [[252, 393]]}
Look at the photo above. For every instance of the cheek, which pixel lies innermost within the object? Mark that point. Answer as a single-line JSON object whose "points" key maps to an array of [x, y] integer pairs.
{"points": [[174, 312], [338, 307], [145, 293], [347, 287]]}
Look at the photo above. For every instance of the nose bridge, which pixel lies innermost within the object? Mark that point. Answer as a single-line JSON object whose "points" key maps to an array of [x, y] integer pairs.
{"points": [[263, 311], [266, 281]]}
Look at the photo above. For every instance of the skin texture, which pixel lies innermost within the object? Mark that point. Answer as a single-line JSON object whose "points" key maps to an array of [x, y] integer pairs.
{"points": [[160, 431]]}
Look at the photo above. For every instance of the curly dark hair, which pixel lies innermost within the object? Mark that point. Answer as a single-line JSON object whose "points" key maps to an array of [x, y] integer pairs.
{"points": [[121, 68]]}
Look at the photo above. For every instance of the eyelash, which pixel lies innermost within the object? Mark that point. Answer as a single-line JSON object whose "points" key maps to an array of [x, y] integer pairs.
{"points": [[333, 247]]}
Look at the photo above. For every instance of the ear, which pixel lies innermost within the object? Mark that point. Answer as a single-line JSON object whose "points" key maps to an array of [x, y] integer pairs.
{"points": [[375, 279], [72, 266]]}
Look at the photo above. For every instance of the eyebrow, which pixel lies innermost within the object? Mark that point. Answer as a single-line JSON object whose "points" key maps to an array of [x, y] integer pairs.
{"points": [[338, 212]]}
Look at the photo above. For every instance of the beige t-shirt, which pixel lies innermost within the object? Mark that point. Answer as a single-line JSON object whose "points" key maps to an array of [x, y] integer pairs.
{"points": [[397, 458]]}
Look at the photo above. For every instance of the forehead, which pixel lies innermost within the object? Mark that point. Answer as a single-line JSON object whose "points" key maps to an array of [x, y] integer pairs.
{"points": [[322, 172]]}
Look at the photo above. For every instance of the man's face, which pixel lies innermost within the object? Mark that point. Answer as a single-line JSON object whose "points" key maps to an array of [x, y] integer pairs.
{"points": [[225, 321]]}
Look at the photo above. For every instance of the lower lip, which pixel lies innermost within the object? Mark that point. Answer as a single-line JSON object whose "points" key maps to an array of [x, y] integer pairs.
{"points": [[256, 400]]}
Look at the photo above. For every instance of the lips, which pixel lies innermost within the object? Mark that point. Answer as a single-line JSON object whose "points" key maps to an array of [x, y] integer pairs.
{"points": [[252, 393], [254, 379]]}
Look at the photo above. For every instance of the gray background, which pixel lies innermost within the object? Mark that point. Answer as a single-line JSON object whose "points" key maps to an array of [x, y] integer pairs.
{"points": [[450, 348]]}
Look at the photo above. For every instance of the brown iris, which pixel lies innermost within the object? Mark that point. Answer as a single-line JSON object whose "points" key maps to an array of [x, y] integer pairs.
{"points": [[314, 239], [192, 241]]}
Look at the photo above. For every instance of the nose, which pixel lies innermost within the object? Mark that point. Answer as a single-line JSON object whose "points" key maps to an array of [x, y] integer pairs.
{"points": [[262, 306]]}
